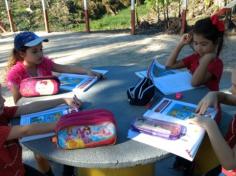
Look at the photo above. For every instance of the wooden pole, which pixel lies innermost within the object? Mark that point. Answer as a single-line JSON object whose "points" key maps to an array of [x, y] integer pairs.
{"points": [[45, 14], [9, 14], [183, 16], [86, 16], [132, 17]]}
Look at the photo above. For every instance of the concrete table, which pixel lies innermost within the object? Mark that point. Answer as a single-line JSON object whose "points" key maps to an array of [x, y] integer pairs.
{"points": [[126, 157]]}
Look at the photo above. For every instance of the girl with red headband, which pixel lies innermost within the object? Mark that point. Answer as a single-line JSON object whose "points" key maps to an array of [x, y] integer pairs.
{"points": [[204, 64]]}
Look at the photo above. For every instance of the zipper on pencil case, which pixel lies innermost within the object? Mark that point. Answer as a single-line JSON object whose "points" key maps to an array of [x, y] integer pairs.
{"points": [[77, 116], [76, 120], [84, 121]]}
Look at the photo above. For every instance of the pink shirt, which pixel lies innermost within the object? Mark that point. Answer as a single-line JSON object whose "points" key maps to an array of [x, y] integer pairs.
{"points": [[18, 72]]}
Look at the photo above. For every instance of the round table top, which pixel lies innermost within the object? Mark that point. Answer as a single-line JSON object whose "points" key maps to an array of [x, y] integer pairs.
{"points": [[111, 94]]}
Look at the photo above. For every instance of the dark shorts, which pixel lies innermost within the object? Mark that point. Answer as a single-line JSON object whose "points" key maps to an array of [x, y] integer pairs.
{"points": [[30, 171]]}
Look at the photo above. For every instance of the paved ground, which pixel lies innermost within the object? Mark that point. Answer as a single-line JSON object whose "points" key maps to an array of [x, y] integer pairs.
{"points": [[102, 49]]}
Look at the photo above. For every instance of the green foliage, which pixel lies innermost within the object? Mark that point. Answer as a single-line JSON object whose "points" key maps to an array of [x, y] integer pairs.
{"points": [[3, 15], [27, 15], [207, 3], [120, 21], [68, 15]]}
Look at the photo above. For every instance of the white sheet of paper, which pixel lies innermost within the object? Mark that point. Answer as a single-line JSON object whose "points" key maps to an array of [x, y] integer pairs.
{"points": [[173, 83]]}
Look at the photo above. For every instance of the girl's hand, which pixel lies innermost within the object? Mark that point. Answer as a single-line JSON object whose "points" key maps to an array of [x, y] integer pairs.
{"points": [[73, 102], [93, 73], [186, 39], [211, 99], [201, 121]]}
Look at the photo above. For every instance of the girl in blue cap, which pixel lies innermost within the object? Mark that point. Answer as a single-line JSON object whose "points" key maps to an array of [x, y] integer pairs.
{"points": [[27, 60]]}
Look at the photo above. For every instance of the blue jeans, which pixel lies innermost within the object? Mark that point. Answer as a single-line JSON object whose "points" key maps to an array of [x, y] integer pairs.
{"points": [[221, 174]]}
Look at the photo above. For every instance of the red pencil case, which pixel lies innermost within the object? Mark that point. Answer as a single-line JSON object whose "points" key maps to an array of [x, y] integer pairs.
{"points": [[88, 128], [37, 86], [159, 128]]}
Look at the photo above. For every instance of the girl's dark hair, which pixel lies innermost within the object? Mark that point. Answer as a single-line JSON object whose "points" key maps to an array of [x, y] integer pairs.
{"points": [[15, 56], [209, 31]]}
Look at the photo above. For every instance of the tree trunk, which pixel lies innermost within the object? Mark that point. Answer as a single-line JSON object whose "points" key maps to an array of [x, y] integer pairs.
{"points": [[109, 8], [179, 9], [158, 10], [167, 10], [138, 2]]}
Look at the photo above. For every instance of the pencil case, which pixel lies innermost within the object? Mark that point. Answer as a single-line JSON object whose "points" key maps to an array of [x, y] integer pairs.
{"points": [[37, 86], [84, 129], [141, 93], [163, 129]]}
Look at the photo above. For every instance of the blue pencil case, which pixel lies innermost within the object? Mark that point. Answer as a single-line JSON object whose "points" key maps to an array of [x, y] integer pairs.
{"points": [[163, 129]]}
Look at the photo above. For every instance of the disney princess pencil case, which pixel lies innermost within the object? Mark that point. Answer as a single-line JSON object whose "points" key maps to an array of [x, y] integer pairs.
{"points": [[88, 128], [164, 129]]}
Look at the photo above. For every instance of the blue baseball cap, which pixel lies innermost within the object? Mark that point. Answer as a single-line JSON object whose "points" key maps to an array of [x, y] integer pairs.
{"points": [[28, 39]]}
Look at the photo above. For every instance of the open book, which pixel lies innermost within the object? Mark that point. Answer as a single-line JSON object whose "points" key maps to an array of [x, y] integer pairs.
{"points": [[174, 112], [155, 70], [77, 82], [47, 116], [166, 80]]}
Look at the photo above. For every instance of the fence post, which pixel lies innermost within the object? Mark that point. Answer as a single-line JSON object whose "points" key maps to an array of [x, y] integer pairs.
{"points": [[132, 17], [86, 16], [183, 16], [45, 14], [9, 14]]}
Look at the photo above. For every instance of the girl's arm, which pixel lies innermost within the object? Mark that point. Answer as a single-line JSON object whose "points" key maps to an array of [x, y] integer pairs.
{"points": [[74, 69], [47, 104], [172, 60], [18, 131], [228, 99], [201, 75], [224, 153], [15, 93]]}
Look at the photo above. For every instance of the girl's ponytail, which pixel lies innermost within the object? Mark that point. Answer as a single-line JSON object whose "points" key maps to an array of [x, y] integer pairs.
{"points": [[220, 26], [15, 56], [220, 44]]}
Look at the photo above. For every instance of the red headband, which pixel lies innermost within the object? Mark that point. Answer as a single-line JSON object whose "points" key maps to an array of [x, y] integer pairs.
{"points": [[218, 23]]}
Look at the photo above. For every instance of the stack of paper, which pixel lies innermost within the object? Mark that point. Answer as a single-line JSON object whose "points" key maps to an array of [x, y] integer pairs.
{"points": [[176, 112]]}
